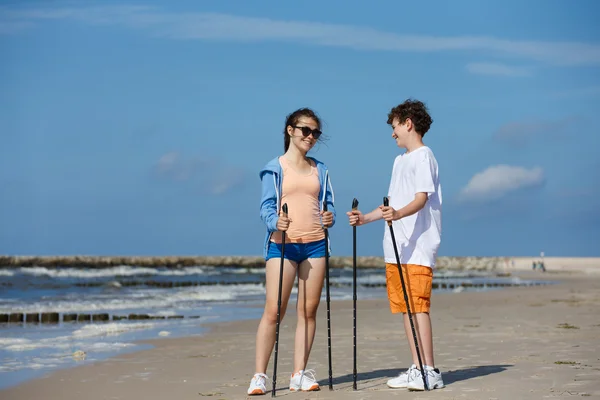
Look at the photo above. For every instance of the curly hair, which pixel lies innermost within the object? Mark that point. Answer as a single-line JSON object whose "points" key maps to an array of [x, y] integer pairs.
{"points": [[292, 120], [416, 111]]}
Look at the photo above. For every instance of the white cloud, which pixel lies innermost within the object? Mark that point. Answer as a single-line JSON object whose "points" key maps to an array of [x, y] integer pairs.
{"points": [[587, 91], [172, 166], [14, 27], [498, 69], [520, 132], [499, 180], [167, 161], [210, 176], [214, 26], [521, 129]]}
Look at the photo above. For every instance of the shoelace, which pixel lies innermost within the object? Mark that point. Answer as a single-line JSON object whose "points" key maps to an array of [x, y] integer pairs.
{"points": [[409, 371], [311, 372], [416, 373], [413, 373], [430, 372], [264, 377]]}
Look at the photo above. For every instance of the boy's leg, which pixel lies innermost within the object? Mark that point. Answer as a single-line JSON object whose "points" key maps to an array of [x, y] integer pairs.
{"points": [[425, 338], [422, 323], [418, 280]]}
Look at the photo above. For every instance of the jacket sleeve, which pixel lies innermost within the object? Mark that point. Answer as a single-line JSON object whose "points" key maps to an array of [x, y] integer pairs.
{"points": [[268, 202], [329, 198]]}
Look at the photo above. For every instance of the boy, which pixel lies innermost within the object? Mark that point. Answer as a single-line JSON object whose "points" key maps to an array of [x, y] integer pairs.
{"points": [[415, 206]]}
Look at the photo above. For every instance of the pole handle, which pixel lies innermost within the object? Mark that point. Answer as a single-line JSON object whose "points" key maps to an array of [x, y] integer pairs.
{"points": [[325, 209], [386, 203]]}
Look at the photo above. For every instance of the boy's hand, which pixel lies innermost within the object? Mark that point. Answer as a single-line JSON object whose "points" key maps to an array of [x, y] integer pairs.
{"points": [[355, 217], [327, 218], [283, 223], [389, 214]]}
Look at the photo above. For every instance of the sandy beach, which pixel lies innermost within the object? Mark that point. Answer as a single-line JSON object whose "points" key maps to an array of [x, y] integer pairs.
{"points": [[517, 343]]}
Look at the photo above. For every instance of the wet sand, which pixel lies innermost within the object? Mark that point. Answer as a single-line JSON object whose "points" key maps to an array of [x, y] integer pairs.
{"points": [[518, 343]]}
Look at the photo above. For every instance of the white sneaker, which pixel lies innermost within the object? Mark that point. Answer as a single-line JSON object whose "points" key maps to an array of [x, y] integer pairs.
{"points": [[258, 384], [434, 379], [401, 381], [302, 381]]}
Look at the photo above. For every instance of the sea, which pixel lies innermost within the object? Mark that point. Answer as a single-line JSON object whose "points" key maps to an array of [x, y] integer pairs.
{"points": [[96, 313]]}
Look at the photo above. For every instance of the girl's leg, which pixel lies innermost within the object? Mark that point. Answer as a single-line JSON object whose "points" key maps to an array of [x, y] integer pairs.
{"points": [[311, 273], [265, 336]]}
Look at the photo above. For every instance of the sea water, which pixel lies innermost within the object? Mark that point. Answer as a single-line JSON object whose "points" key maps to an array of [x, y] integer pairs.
{"points": [[180, 302]]}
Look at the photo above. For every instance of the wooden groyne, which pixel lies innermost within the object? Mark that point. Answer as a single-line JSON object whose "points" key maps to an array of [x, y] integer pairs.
{"points": [[56, 317], [455, 263], [21, 319]]}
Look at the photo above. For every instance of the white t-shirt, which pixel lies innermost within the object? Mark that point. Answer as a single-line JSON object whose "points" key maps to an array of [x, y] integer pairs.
{"points": [[417, 236]]}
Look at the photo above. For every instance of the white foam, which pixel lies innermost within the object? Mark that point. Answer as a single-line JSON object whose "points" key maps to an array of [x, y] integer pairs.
{"points": [[12, 341], [35, 363], [111, 329], [4, 272], [165, 313], [40, 366], [60, 342], [78, 337], [243, 270], [189, 271], [86, 273], [257, 270], [140, 299], [64, 356], [370, 279], [343, 296], [123, 270], [101, 346]]}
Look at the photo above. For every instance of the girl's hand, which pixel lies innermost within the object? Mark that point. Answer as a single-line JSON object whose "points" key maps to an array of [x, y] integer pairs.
{"points": [[327, 217], [283, 223]]}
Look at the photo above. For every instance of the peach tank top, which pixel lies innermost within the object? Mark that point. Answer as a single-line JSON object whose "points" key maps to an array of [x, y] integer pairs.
{"points": [[301, 193]]}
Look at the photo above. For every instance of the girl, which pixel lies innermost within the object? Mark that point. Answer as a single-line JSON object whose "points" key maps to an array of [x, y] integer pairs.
{"points": [[303, 183]]}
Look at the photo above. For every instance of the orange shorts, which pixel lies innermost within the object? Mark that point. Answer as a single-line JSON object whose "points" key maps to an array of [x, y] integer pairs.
{"points": [[418, 283]]}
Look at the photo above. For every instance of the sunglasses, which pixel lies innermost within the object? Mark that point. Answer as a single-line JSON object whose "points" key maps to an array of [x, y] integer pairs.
{"points": [[307, 131]]}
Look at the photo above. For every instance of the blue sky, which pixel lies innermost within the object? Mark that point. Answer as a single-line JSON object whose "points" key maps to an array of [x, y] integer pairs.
{"points": [[140, 127]]}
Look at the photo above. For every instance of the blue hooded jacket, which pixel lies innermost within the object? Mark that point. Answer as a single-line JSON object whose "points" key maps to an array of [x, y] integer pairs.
{"points": [[270, 203]]}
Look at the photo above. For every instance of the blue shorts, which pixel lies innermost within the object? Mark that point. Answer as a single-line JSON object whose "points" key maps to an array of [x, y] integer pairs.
{"points": [[297, 252]]}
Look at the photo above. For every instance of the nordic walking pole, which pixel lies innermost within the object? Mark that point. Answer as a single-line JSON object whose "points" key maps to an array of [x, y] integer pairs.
{"points": [[328, 300], [354, 207], [386, 202], [285, 211]]}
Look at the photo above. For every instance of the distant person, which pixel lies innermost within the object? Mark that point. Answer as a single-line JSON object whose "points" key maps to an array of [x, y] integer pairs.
{"points": [[415, 207], [303, 183]]}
